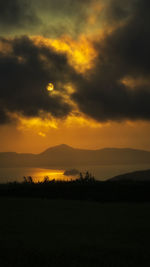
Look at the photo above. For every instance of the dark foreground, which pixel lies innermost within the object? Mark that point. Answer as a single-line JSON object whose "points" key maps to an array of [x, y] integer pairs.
{"points": [[80, 189], [42, 232]]}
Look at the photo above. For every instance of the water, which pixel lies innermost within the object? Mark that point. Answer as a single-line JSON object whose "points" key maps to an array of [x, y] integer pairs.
{"points": [[17, 174], [105, 172], [100, 172]]}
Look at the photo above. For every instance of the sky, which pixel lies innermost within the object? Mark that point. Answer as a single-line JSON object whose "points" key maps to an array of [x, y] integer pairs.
{"points": [[74, 72]]}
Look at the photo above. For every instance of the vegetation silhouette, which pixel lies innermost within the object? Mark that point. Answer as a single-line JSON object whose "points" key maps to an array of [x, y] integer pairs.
{"points": [[62, 232], [85, 187]]}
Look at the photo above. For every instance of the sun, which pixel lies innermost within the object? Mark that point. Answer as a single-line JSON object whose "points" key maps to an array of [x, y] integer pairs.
{"points": [[50, 87]]}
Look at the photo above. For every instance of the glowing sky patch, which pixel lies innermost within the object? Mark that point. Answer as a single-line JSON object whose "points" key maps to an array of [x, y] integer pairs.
{"points": [[80, 53]]}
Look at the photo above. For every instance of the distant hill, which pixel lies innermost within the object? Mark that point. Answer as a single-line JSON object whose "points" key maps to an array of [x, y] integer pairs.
{"points": [[137, 176], [63, 155]]}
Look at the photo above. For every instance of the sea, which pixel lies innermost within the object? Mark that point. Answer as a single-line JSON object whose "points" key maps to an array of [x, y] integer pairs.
{"points": [[100, 172]]}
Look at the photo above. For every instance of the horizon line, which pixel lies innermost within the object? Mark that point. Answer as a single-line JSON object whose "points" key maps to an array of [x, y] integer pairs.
{"points": [[77, 148]]}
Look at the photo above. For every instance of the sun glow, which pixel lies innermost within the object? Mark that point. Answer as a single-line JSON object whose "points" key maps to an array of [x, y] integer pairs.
{"points": [[50, 87], [51, 174]]}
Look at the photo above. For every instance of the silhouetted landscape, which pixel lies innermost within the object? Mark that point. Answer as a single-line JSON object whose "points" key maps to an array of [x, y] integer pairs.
{"points": [[76, 223], [137, 176], [64, 155], [131, 187], [80, 221]]}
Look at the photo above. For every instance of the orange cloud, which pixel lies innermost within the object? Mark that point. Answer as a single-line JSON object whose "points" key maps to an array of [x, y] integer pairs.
{"points": [[42, 127], [133, 83], [5, 47], [95, 10], [80, 53]]}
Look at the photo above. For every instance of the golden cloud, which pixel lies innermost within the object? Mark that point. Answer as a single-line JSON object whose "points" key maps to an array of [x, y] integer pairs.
{"points": [[80, 53]]}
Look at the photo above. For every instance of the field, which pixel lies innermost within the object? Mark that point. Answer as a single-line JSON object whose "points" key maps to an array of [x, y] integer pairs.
{"points": [[41, 232]]}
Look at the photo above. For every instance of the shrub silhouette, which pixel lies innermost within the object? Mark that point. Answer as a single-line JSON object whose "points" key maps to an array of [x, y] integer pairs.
{"points": [[46, 180], [83, 178], [28, 179], [88, 178], [85, 187]]}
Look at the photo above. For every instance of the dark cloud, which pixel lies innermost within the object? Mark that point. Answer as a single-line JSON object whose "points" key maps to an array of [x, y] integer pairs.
{"points": [[66, 7], [25, 73], [123, 53], [4, 118], [62, 16], [16, 14], [46, 17], [117, 11]]}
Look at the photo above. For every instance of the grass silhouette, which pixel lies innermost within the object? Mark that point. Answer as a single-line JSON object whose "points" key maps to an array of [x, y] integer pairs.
{"points": [[83, 188]]}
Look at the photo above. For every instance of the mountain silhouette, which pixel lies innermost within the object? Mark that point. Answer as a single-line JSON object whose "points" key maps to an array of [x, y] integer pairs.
{"points": [[137, 176], [57, 149], [64, 155]]}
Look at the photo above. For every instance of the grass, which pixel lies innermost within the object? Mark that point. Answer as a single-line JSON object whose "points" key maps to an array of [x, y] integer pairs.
{"points": [[42, 232]]}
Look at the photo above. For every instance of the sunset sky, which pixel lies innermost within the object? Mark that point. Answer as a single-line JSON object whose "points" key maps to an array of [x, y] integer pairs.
{"points": [[74, 72]]}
